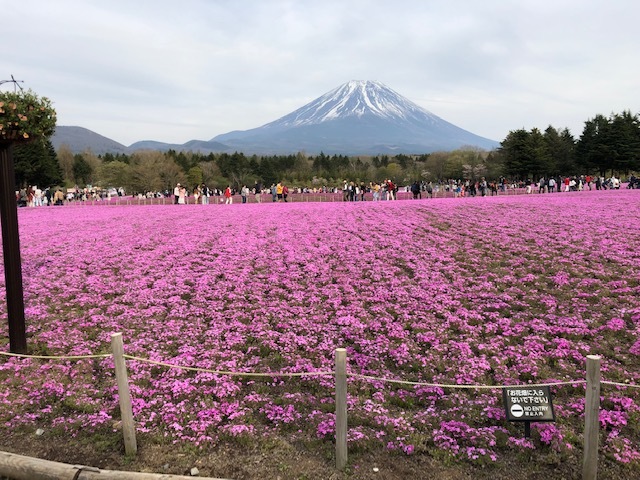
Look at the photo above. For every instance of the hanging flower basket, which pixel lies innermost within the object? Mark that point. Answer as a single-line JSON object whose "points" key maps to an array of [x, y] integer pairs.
{"points": [[24, 116]]}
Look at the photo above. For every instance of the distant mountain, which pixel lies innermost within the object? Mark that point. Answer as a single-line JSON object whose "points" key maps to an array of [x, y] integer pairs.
{"points": [[357, 118], [79, 140], [201, 146]]}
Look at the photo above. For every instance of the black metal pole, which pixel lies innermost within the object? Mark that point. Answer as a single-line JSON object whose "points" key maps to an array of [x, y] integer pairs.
{"points": [[11, 251], [527, 429]]}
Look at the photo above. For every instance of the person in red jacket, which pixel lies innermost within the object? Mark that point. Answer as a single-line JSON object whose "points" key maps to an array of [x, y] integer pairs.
{"points": [[391, 190], [228, 199]]}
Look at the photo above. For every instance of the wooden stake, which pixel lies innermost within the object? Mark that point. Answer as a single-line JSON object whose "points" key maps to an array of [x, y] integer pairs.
{"points": [[591, 419], [341, 408], [124, 397]]}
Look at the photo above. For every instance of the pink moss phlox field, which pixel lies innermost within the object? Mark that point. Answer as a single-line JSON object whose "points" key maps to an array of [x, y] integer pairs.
{"points": [[488, 291]]}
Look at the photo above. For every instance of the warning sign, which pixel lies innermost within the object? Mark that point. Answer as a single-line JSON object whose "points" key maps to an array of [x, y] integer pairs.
{"points": [[528, 404]]}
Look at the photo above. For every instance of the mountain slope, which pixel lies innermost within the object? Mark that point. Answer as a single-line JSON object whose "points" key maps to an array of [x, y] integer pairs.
{"points": [[200, 146], [79, 140], [356, 118]]}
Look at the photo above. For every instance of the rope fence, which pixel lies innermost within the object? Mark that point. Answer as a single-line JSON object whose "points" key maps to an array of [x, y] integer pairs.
{"points": [[618, 384], [54, 357], [309, 374], [464, 386], [229, 373], [593, 383]]}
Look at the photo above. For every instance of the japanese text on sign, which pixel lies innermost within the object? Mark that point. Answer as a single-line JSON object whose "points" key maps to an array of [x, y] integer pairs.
{"points": [[525, 404]]}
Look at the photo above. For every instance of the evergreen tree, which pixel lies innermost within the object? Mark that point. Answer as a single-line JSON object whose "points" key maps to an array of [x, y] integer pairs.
{"points": [[515, 150], [36, 163], [562, 148], [540, 159], [267, 171], [254, 165], [82, 170], [182, 160], [594, 148], [625, 142]]}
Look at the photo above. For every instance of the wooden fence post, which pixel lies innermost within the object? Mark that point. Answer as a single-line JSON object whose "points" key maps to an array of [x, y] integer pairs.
{"points": [[341, 408], [124, 397], [591, 419]]}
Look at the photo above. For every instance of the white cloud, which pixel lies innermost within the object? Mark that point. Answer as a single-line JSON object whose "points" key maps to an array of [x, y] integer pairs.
{"points": [[174, 71]]}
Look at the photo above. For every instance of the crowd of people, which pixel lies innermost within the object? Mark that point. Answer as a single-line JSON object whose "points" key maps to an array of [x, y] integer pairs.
{"points": [[279, 193], [202, 194], [461, 188], [351, 191], [34, 196], [576, 184]]}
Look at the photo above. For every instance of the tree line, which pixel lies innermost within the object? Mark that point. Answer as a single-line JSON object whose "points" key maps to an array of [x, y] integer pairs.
{"points": [[607, 145]]}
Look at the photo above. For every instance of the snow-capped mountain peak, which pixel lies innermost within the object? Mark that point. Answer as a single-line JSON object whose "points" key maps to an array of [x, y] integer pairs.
{"points": [[357, 117], [354, 99]]}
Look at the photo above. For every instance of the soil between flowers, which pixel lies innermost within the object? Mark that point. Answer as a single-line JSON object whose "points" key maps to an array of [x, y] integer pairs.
{"points": [[284, 461]]}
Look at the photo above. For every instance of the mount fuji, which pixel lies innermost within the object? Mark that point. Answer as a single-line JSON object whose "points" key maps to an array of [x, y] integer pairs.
{"points": [[359, 117]]}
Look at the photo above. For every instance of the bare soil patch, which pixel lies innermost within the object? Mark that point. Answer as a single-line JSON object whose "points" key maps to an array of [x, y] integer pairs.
{"points": [[278, 459]]}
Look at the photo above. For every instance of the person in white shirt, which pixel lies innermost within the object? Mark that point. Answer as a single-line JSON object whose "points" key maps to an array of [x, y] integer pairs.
{"points": [[176, 194], [37, 197], [552, 185], [615, 182]]}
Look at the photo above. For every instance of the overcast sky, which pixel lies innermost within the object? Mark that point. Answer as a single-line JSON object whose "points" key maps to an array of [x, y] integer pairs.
{"points": [[174, 71]]}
